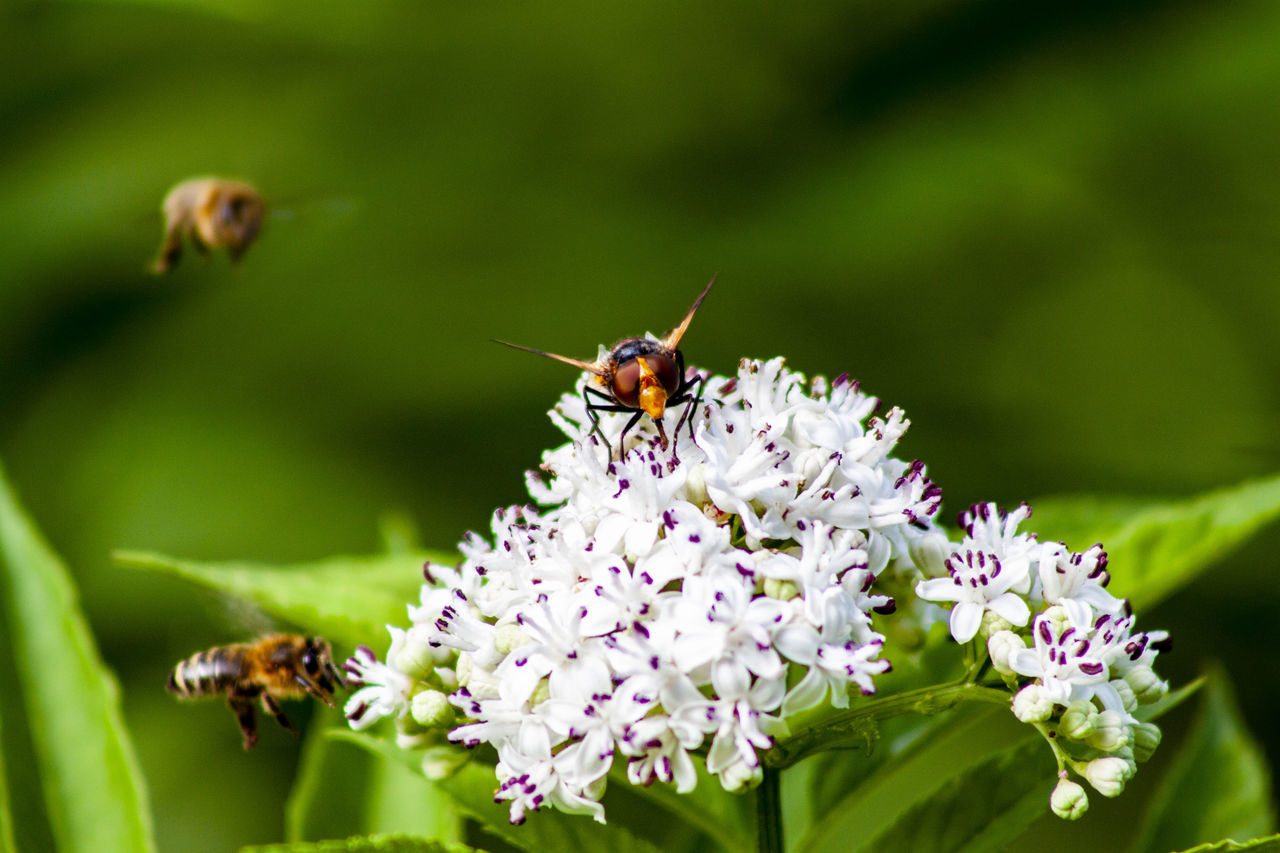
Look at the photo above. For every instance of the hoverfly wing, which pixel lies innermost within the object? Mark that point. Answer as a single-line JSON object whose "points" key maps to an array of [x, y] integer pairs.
{"points": [[674, 336], [590, 367]]}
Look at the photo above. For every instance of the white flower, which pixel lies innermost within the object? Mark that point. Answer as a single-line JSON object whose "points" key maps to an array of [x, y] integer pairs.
{"points": [[978, 582], [662, 602], [384, 692], [1068, 663], [1076, 582]]}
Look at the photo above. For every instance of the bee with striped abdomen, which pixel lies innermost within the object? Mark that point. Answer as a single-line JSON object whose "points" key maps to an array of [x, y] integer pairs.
{"points": [[271, 668]]}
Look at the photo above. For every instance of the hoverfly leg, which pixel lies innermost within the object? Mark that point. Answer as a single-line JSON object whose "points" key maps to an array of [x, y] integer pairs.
{"points": [[694, 400], [595, 421], [273, 708], [622, 440], [242, 707]]}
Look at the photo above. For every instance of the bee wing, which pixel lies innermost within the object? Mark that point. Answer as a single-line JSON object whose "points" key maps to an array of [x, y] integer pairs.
{"points": [[590, 367], [673, 338]]}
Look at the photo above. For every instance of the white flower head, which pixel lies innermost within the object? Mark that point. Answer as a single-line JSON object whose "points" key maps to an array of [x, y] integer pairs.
{"points": [[675, 600]]}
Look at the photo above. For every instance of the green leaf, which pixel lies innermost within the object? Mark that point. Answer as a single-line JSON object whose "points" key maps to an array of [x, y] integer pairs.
{"points": [[94, 793], [350, 600], [984, 808], [708, 807], [1270, 844], [974, 733], [1155, 548], [7, 844], [472, 789], [364, 844], [340, 791], [1218, 786]]}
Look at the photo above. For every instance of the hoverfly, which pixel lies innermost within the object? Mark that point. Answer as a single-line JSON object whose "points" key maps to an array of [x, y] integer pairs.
{"points": [[639, 375]]}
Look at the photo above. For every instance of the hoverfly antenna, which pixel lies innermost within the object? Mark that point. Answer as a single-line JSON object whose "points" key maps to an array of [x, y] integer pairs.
{"points": [[590, 367], [673, 338]]}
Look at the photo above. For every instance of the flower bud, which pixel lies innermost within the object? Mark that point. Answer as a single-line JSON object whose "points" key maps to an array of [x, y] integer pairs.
{"points": [[1107, 775], [1000, 646], [930, 552], [1110, 732], [1127, 699], [1032, 704], [431, 709], [738, 777], [993, 623], [1147, 686], [508, 638], [412, 657], [1146, 737], [782, 590], [1078, 720], [1068, 800]]}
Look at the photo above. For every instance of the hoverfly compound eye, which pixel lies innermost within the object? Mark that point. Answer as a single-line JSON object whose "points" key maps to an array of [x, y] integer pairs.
{"points": [[665, 368], [626, 383]]}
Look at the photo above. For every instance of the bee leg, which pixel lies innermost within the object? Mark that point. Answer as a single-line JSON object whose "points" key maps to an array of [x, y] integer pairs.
{"points": [[242, 707], [693, 401], [315, 689], [273, 708], [170, 252]]}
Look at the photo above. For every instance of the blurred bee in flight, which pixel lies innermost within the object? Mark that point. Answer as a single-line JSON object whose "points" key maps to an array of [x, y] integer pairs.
{"points": [[271, 668], [215, 213], [639, 375]]}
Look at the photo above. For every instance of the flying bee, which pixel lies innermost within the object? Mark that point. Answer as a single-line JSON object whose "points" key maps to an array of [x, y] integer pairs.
{"points": [[639, 375], [215, 213], [271, 668]]}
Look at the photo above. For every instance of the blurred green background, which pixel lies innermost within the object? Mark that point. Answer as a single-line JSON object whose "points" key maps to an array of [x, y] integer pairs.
{"points": [[1050, 235]]}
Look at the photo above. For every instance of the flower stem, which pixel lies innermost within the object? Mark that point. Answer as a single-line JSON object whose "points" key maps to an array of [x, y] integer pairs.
{"points": [[769, 812]]}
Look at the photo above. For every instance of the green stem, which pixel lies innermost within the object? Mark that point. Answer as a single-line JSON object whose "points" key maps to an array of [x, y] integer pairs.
{"points": [[859, 725], [769, 812]]}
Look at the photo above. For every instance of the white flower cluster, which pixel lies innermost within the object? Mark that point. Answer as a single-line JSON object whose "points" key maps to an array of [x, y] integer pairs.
{"points": [[1078, 667], [672, 605]]}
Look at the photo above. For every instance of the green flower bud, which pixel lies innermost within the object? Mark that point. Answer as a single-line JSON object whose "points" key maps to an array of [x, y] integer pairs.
{"points": [[1127, 697], [1068, 800], [413, 658], [1001, 646], [1147, 686], [508, 637], [431, 709], [1078, 720], [993, 623], [1110, 732], [780, 589], [441, 762], [1107, 775], [1146, 737], [1032, 704]]}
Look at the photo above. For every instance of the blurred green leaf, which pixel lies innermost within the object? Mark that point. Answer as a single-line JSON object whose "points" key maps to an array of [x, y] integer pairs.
{"points": [[350, 600], [6, 819], [94, 793], [708, 807], [364, 844], [1155, 548], [1218, 786], [983, 808], [341, 791], [472, 788], [971, 734], [1270, 844]]}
